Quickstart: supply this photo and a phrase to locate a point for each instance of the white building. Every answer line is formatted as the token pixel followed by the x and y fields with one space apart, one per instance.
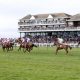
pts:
pixel 43 23
pixel 61 24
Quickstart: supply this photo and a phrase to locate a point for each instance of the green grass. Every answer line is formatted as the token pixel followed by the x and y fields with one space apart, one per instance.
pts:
pixel 40 64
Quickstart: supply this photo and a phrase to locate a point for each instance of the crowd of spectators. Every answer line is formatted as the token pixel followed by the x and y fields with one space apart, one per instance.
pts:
pixel 69 37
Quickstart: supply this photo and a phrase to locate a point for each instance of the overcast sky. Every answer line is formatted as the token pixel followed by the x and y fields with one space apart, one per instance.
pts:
pixel 13 10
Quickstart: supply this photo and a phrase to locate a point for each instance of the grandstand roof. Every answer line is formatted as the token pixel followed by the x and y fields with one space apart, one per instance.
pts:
pixel 64 15
pixel 43 16
pixel 75 18
pixel 26 17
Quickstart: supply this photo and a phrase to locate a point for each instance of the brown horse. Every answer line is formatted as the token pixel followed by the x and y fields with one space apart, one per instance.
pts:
pixel 62 46
pixel 30 46
pixel 22 45
pixel 7 46
pixel 19 41
pixel 26 46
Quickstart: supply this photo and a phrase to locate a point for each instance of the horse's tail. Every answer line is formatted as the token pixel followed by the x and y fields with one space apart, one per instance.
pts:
pixel 34 45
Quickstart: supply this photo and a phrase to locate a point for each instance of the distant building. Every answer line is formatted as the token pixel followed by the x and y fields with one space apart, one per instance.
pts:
pixel 50 24
pixel 74 21
pixel 43 23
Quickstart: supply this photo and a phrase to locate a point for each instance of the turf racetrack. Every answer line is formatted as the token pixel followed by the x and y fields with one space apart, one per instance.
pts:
pixel 40 64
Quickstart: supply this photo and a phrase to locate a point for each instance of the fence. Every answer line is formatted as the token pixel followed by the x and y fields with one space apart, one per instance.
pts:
pixel 52 44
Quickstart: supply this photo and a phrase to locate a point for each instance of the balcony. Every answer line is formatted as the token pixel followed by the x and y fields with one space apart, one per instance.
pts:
pixel 39 29
pixel 39 23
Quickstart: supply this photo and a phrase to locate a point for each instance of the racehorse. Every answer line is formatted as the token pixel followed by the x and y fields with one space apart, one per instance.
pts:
pixel 62 46
pixel 22 45
pixel 7 46
pixel 26 46
pixel 30 46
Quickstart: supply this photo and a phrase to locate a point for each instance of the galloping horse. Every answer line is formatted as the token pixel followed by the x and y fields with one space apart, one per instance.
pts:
pixel 62 46
pixel 7 46
pixel 30 46
pixel 21 45
pixel 26 46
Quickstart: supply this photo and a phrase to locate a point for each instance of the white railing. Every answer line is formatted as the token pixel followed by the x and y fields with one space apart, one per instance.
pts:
pixel 40 23
pixel 50 29
pixel 74 45
pixel 44 44
pixel 72 28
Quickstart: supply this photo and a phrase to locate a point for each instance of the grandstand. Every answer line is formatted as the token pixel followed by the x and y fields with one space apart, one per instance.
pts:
pixel 42 27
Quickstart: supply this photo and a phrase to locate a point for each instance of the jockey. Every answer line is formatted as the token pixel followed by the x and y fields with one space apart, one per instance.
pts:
pixel 27 39
pixel 8 40
pixel 4 40
pixel 22 39
pixel 59 41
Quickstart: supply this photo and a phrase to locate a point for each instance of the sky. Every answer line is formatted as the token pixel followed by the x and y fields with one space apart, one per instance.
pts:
pixel 11 11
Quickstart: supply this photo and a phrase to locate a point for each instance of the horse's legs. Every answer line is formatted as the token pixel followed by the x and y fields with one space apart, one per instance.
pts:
pixel 3 48
pixel 19 48
pixel 56 50
pixel 31 48
pixel 11 48
pixel 7 48
pixel 28 49
pixel 24 49
pixel 66 51
pixel 70 47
